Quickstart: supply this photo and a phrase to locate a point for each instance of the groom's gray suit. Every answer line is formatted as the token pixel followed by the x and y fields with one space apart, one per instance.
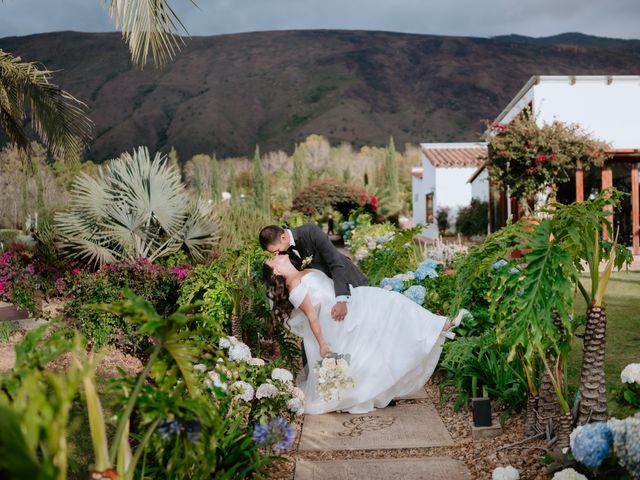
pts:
pixel 311 241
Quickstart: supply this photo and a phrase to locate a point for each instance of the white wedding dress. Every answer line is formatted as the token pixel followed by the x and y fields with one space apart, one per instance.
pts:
pixel 394 344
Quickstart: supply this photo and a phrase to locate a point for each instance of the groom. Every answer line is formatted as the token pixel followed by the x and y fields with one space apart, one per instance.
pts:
pixel 309 247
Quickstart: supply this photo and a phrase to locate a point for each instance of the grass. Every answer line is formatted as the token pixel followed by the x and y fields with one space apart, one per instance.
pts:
pixel 622 301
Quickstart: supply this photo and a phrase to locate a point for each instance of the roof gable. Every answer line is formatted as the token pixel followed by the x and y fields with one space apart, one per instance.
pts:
pixel 455 155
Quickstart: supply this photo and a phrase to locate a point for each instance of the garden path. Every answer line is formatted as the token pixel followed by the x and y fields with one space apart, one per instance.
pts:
pixel 335 445
pixel 17 321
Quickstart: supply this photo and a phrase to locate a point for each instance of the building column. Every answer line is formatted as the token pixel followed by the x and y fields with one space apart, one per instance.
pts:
pixel 579 185
pixel 607 181
pixel 635 209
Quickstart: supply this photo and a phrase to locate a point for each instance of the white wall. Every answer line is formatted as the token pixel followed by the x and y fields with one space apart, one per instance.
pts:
pixel 610 112
pixel 419 189
pixel 480 186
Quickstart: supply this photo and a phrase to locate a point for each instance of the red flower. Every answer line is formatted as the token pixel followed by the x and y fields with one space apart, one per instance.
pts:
pixel 541 158
pixel 552 157
pixel 362 198
pixel 499 126
pixel 531 170
pixel 374 202
pixel 76 271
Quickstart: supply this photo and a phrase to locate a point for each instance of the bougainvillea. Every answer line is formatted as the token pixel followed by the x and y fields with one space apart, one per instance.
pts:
pixel 526 158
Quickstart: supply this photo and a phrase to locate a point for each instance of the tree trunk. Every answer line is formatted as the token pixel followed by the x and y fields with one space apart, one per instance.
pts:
pixel 565 425
pixel 548 405
pixel 531 424
pixel 236 328
pixel 593 392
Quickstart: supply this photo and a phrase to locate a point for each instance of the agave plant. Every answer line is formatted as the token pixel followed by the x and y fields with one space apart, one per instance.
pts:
pixel 134 208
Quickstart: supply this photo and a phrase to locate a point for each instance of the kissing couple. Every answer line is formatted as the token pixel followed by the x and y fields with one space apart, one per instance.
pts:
pixel 320 295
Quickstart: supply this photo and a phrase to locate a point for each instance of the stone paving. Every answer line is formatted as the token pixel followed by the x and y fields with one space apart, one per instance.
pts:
pixel 399 427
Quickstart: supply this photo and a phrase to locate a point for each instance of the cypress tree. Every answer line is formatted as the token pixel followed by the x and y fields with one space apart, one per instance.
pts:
pixel 300 173
pixel 391 171
pixel 216 194
pixel 260 188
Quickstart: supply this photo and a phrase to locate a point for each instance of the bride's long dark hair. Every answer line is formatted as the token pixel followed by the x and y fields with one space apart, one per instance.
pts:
pixel 278 293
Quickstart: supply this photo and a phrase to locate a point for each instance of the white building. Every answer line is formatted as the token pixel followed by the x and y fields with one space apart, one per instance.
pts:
pixel 607 107
pixel 442 181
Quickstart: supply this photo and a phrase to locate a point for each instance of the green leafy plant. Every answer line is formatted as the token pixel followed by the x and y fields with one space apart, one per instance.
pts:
pixel 474 219
pixel 135 208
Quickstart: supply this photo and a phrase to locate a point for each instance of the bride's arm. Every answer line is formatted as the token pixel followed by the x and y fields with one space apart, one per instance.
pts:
pixel 307 308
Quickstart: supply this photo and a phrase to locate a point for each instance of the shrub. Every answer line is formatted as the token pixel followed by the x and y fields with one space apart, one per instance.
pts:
pixel 474 219
pixel 331 194
pixel 442 219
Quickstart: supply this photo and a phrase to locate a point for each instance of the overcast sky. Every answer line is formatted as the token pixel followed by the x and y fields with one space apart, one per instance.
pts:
pixel 484 18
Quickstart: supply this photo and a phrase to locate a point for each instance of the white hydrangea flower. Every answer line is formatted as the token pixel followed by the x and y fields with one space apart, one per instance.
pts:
pixel 246 390
pixel 282 374
pixel 214 379
pixel 631 373
pixel 295 405
pixel 297 392
pixel 266 390
pixel 224 343
pixel 256 362
pixel 239 352
pixel 200 367
pixel 505 473
pixel 568 474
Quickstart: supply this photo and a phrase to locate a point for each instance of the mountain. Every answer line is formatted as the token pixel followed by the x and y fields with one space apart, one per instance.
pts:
pixel 227 93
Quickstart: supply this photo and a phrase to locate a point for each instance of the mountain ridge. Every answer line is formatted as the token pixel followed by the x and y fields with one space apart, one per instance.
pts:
pixel 225 94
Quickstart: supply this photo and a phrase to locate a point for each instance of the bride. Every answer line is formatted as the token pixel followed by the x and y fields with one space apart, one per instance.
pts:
pixel 394 343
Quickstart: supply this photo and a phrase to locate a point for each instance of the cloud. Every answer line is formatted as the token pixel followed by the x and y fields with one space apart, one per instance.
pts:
pixel 615 18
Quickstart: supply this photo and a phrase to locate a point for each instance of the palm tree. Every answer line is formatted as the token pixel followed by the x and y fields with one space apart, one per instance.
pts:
pixel 57 117
pixel 135 208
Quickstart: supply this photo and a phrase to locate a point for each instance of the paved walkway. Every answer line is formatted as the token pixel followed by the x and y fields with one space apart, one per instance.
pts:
pixel 403 426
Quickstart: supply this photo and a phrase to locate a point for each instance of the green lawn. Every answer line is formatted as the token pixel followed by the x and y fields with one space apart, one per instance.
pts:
pixel 622 301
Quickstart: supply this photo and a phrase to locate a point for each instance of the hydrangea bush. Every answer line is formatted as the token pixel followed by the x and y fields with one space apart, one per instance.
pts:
pixel 630 378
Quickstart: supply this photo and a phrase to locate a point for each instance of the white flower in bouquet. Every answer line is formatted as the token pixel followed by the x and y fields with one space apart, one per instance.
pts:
pixel 631 373
pixel 256 362
pixel 333 376
pixel 295 405
pixel 214 380
pixel 505 473
pixel 568 474
pixel 266 390
pixel 282 374
pixel 239 352
pixel 246 390
pixel 200 367
pixel 329 363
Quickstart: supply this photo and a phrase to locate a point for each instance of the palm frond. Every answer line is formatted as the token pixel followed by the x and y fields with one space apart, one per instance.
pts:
pixel 56 116
pixel 148 25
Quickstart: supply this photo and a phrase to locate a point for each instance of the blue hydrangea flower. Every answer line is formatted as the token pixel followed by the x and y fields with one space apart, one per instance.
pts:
pixel 592 444
pixel 397 284
pixel 416 293
pixel 626 443
pixel 425 271
pixel 429 264
pixel 499 264
pixel 385 282
pixel 276 432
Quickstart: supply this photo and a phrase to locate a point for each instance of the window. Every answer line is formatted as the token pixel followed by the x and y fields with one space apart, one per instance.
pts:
pixel 429 213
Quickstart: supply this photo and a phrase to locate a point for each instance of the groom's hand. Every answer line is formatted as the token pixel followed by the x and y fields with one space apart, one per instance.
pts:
pixel 339 311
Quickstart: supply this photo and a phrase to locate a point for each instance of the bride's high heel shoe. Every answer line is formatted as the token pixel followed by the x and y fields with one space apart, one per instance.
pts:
pixel 456 323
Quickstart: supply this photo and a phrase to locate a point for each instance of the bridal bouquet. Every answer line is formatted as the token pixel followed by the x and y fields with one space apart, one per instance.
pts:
pixel 333 376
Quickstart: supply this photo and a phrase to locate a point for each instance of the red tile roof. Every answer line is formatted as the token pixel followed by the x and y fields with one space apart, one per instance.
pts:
pixel 455 156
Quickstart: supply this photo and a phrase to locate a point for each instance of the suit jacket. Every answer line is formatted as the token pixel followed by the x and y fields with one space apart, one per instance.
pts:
pixel 310 240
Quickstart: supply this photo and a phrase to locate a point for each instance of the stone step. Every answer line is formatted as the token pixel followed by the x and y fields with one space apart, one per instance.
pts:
pixel 431 468
pixel 402 426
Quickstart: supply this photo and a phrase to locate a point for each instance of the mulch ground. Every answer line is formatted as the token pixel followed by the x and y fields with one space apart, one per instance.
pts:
pixel 480 456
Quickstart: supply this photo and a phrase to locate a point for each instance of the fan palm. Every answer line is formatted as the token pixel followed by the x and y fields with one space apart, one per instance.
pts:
pixel 135 208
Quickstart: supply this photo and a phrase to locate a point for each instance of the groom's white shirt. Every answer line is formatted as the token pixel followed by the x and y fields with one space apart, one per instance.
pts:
pixel 292 244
